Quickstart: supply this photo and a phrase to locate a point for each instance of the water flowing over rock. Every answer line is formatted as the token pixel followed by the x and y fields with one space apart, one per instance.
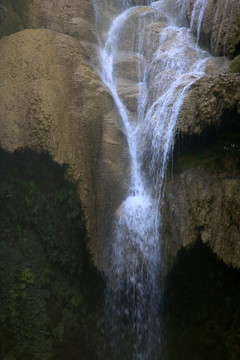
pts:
pixel 218 27
pixel 114 90
pixel 206 102
pixel 144 45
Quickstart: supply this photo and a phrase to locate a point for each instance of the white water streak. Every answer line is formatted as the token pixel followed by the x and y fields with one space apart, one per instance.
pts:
pixel 197 16
pixel 173 62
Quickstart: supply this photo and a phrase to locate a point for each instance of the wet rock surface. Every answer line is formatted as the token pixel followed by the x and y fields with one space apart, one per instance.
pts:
pixel 220 29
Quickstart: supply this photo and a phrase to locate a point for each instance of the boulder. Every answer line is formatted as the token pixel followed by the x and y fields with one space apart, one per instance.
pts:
pixel 74 18
pixel 207 101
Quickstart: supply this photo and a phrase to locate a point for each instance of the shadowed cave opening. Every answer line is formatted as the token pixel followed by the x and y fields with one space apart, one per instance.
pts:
pixel 50 292
pixel 216 149
pixel 201 307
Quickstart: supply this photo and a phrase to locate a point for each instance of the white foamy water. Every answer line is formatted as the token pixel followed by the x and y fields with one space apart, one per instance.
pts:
pixel 172 62
pixel 197 16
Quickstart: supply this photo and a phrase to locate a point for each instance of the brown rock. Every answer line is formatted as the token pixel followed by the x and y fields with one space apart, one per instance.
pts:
pixel 128 65
pixel 73 17
pixel 199 204
pixel 53 101
pixel 128 91
pixel 217 65
pixel 206 102
pixel 220 30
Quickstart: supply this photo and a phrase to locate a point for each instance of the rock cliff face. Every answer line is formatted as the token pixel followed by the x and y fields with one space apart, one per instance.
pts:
pixel 202 194
pixel 201 204
pixel 220 30
pixel 75 18
pixel 202 197
pixel 53 101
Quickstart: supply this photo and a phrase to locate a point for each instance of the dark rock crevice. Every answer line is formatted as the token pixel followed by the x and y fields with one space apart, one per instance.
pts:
pixel 50 291
pixel 201 307
pixel 216 148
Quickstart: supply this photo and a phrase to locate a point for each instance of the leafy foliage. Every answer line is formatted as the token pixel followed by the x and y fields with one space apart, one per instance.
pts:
pixel 48 289
pixel 235 65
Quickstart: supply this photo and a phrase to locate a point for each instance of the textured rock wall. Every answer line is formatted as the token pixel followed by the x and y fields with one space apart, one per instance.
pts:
pixel 202 198
pixel 206 102
pixel 220 31
pixel 203 205
pixel 52 100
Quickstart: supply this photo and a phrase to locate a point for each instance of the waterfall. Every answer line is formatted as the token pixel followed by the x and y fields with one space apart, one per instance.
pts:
pixel 197 16
pixel 169 62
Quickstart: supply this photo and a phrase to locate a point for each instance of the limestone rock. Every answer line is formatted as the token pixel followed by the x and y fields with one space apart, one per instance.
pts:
pixel 220 30
pixel 128 91
pixel 206 103
pixel 72 17
pixel 202 201
pixel 138 18
pixel 217 65
pixel 128 65
pixel 52 100
pixel 200 204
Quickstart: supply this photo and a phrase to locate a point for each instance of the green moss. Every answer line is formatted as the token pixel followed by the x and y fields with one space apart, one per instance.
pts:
pixel 235 65
pixel 49 290
pixel 14 16
pixel 202 307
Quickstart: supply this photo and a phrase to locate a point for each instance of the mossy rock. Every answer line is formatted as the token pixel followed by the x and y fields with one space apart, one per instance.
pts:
pixel 14 16
pixel 235 65
pixel 50 292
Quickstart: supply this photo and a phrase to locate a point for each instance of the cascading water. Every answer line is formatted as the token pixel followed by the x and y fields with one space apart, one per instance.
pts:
pixel 170 62
pixel 197 16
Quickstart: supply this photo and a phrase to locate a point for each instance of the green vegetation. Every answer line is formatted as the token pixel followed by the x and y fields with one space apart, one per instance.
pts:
pixel 235 65
pixel 221 155
pixel 14 16
pixel 49 291
pixel 201 309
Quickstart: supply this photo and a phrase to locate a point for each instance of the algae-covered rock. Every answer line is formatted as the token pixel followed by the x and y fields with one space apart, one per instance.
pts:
pixel 14 16
pixel 235 65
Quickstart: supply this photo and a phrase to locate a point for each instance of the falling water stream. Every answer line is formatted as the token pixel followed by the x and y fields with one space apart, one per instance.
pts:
pixel 170 61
